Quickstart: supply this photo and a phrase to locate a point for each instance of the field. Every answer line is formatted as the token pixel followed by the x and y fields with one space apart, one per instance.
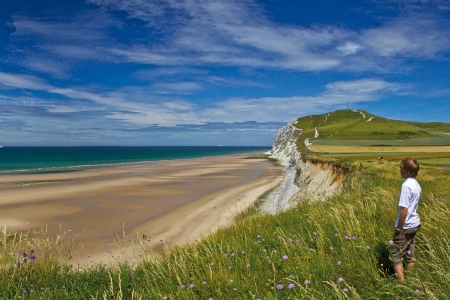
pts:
pixel 336 249
pixel 379 149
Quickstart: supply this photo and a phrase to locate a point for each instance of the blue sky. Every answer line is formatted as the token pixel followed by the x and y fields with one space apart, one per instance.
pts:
pixel 196 72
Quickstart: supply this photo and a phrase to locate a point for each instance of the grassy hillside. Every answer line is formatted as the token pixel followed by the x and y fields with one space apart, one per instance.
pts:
pixel 360 128
pixel 336 249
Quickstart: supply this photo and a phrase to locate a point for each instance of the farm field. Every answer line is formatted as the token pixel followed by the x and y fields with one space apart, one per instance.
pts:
pixel 443 140
pixel 378 149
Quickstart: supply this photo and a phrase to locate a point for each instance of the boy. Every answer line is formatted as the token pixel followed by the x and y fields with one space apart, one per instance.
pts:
pixel 408 221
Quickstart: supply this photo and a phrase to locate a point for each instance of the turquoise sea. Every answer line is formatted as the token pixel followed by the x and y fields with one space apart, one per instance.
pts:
pixel 25 160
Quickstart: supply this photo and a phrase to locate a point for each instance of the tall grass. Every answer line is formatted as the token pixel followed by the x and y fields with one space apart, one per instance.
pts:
pixel 337 249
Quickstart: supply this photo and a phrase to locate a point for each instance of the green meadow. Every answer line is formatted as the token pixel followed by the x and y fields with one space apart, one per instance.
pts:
pixel 361 128
pixel 336 249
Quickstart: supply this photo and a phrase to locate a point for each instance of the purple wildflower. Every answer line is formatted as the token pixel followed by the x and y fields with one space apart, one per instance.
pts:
pixel 417 292
pixel 232 254
pixel 290 240
pixel 225 255
pixel 409 252
pixel 346 237
pixel 204 282
pixel 182 286
pixel 297 241
pixel 354 238
pixel 231 280
pixel 339 263
pixel 391 242
pixel 291 286
pixel 345 290
pixel 307 282
pixel 367 247
pixel 336 234
pixel 285 257
pixel 191 286
pixel 340 279
pixel 279 286
pixel 315 233
pixel 24 291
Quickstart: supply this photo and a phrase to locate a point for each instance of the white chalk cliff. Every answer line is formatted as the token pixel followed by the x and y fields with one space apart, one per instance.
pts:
pixel 304 180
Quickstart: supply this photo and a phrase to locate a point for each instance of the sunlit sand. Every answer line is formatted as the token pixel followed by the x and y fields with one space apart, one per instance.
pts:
pixel 170 201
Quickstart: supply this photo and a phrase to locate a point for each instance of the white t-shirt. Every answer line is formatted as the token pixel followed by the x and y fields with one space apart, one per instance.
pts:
pixel 409 198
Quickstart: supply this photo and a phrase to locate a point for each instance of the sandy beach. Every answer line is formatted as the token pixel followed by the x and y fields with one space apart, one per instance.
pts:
pixel 170 202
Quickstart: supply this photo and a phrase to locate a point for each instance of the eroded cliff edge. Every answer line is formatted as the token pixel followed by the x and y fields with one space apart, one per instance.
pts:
pixel 305 179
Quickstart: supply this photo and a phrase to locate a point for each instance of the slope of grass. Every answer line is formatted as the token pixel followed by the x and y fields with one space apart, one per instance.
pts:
pixel 298 254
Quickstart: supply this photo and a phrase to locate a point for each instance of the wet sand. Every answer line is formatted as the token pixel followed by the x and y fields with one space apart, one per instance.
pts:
pixel 170 201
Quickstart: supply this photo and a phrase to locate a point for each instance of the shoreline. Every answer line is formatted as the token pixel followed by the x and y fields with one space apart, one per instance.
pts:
pixel 70 169
pixel 175 201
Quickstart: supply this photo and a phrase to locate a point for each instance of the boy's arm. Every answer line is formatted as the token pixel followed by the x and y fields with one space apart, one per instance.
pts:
pixel 402 218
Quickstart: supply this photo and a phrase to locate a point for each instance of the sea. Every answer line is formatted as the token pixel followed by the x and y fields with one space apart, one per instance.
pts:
pixel 36 160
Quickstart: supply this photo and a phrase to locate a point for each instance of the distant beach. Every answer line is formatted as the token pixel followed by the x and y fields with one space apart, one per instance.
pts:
pixel 174 201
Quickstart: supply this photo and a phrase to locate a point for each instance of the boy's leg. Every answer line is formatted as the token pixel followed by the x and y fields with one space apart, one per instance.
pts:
pixel 397 253
pixel 404 242
pixel 410 254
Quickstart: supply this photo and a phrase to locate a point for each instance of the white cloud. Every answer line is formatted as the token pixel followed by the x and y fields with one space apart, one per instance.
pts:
pixel 276 109
pixel 410 37
pixel 132 104
pixel 349 48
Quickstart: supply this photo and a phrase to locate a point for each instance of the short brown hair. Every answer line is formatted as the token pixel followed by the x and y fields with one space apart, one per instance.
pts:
pixel 410 167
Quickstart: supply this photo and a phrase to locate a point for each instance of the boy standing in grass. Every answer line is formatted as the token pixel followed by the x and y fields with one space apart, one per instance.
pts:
pixel 408 221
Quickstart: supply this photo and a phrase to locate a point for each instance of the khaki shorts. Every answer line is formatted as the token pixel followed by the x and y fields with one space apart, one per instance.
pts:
pixel 404 243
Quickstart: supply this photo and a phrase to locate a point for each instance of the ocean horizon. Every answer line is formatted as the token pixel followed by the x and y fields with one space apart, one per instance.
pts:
pixel 35 160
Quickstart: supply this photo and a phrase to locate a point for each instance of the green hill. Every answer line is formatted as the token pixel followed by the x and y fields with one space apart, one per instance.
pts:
pixel 352 127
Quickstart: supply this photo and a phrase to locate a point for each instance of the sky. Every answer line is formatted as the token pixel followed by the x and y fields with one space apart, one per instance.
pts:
pixel 213 72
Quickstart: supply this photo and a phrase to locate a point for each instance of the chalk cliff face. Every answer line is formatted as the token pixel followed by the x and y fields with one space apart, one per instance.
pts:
pixel 284 146
pixel 314 180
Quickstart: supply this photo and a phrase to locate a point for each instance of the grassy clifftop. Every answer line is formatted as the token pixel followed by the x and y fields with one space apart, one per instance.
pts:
pixel 336 249
pixel 347 127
